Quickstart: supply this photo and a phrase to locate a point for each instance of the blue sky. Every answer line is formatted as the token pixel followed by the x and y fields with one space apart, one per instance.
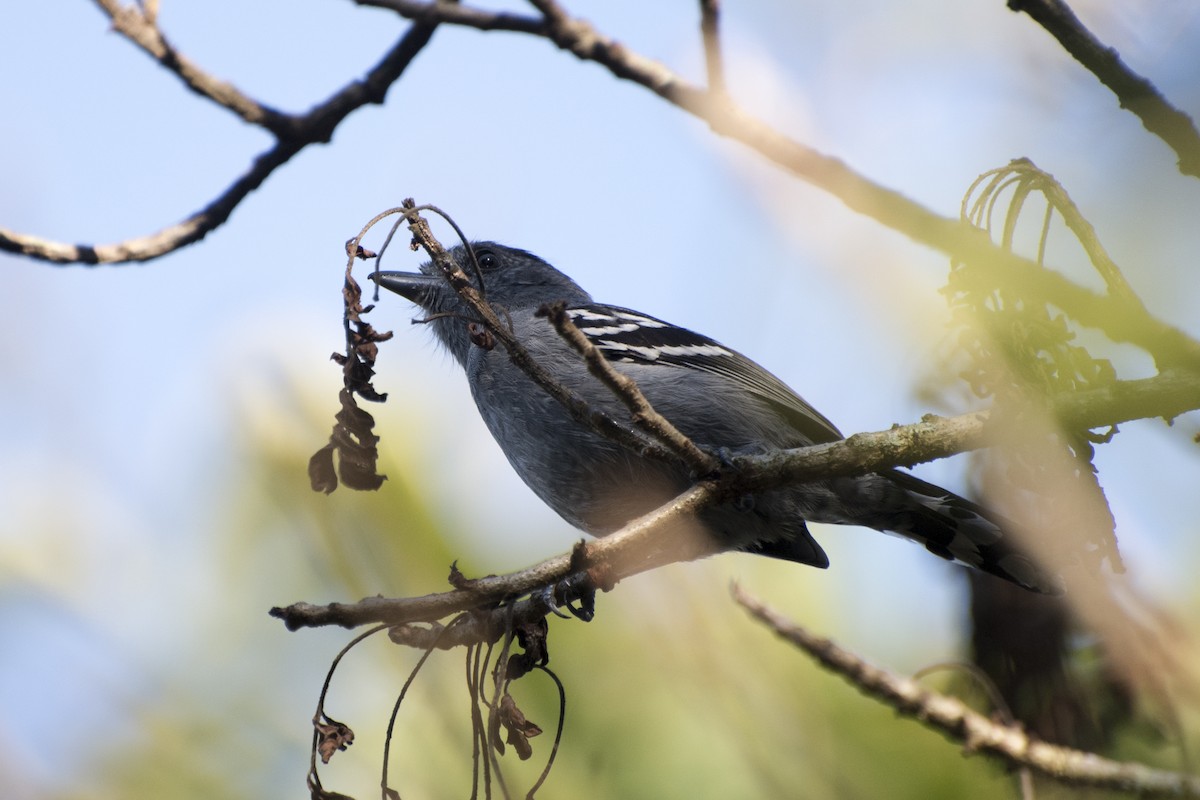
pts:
pixel 120 384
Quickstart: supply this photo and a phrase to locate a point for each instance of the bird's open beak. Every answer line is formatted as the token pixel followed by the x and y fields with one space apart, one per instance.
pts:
pixel 413 285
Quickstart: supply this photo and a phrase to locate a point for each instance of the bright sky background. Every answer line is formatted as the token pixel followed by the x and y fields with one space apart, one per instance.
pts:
pixel 118 385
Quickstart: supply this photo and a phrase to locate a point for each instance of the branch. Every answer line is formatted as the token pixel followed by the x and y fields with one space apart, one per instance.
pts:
pixel 1134 92
pixel 652 541
pixel 1166 395
pixel 293 133
pixel 645 543
pixel 976 732
pixel 165 241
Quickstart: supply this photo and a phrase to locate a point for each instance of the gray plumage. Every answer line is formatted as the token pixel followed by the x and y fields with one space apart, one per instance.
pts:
pixel 719 398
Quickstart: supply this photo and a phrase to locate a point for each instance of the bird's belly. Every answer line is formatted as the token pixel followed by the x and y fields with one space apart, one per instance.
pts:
pixel 591 482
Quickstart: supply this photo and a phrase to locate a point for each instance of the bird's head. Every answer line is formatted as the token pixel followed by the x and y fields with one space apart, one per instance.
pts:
pixel 512 280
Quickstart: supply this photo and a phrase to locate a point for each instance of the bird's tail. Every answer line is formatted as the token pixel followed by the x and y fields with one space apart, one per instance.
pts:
pixel 957 529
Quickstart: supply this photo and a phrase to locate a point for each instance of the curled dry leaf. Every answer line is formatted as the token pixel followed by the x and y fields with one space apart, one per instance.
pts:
pixel 520 730
pixel 332 736
pixel 321 474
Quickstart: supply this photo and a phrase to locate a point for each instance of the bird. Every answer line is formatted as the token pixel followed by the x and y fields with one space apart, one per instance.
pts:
pixel 722 400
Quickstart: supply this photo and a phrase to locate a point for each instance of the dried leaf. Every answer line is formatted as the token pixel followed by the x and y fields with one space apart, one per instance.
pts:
pixel 332 736
pixel 520 730
pixel 321 475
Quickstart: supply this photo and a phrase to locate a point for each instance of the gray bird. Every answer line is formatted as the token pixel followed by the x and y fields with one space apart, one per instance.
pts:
pixel 722 400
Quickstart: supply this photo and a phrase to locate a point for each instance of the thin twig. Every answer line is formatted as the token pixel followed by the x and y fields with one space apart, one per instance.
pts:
pixel 714 62
pixel 1134 92
pixel 977 733
pixel 391 726
pixel 1027 177
pixel 562 718
pixel 1087 237
pixel 626 389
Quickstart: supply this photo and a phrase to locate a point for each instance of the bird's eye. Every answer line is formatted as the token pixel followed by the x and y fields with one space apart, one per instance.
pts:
pixel 487 259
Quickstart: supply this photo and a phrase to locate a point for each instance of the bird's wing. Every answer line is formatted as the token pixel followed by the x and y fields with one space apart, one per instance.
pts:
pixel 630 336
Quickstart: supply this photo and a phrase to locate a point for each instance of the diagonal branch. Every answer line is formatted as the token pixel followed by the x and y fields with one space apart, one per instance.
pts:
pixel 977 733
pixel 638 547
pixel 1134 92
pixel 627 391
pixel 167 240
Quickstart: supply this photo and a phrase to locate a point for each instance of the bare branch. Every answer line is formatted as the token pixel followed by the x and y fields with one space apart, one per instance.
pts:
pixel 167 240
pixel 977 733
pixel 651 540
pixel 294 133
pixel 1134 92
